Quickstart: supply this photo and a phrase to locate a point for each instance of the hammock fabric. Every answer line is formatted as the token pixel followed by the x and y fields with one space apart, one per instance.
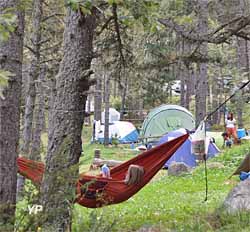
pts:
pixel 97 191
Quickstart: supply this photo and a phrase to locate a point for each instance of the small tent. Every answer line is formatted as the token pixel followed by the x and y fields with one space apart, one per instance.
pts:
pixel 125 132
pixel 114 115
pixel 163 119
pixel 184 153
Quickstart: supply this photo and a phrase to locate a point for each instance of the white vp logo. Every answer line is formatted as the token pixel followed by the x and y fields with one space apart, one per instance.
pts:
pixel 35 209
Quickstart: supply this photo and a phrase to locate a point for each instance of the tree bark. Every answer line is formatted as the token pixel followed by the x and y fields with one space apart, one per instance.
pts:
pixel 65 145
pixel 32 75
pixel 98 99
pixel 123 96
pixel 243 67
pixel 11 52
pixel 201 91
pixel 39 117
pixel 30 95
pixel 106 120
pixel 215 119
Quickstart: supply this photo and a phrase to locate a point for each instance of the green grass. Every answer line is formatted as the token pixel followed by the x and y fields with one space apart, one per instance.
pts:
pixel 168 203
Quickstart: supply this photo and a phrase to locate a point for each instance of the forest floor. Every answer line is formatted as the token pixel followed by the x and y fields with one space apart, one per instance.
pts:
pixel 167 203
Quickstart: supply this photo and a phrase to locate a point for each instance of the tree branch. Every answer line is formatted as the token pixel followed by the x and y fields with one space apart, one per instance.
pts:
pixel 239 23
pixel 105 25
pixel 31 49
pixel 117 29
pixel 52 15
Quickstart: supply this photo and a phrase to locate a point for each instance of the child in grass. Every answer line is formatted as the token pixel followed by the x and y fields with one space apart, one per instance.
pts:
pixel 105 171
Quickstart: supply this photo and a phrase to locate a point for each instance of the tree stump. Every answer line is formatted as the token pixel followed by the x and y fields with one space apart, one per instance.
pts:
pixel 97 154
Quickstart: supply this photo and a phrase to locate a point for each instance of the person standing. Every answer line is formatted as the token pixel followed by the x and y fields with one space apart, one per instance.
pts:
pixel 231 127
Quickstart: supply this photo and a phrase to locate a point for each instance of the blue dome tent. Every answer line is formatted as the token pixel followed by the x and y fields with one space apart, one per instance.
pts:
pixel 184 153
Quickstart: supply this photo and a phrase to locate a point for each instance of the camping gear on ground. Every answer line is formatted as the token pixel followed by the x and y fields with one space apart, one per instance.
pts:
pixel 96 191
pixel 124 132
pixel 244 175
pixel 114 115
pixel 163 119
pixel 184 153
pixel 241 133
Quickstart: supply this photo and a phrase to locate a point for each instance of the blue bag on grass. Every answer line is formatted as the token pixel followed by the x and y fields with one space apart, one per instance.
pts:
pixel 244 175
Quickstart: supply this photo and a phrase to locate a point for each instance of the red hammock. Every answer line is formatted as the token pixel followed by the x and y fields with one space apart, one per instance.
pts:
pixel 96 191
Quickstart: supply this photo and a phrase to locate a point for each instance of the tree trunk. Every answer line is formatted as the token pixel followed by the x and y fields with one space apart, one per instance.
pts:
pixel 243 67
pixel 88 107
pixel 11 52
pixel 98 99
pixel 39 117
pixel 51 99
pixel 188 77
pixel 65 145
pixel 30 95
pixel 201 91
pixel 183 81
pixel 124 95
pixel 106 120
pixel 32 75
pixel 215 119
pixel 188 87
pixel 182 76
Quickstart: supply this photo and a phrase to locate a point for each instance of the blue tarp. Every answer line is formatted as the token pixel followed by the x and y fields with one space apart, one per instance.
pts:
pixel 184 152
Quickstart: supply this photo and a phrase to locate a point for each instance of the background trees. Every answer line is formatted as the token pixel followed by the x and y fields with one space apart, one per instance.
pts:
pixel 11 62
pixel 143 53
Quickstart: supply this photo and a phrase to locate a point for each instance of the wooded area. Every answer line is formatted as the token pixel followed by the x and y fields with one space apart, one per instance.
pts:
pixel 64 62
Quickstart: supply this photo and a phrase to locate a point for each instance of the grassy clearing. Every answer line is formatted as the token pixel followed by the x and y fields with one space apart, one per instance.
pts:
pixel 168 203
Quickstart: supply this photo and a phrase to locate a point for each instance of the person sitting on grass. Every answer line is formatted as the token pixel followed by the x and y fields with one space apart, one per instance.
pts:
pixel 105 171
pixel 227 141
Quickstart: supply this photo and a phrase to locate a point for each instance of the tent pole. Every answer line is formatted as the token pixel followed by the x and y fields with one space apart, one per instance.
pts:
pixel 205 163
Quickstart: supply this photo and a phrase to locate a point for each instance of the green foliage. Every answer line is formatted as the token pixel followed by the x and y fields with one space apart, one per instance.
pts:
pixel 96 221
pixel 84 5
pixel 4 77
pixel 116 102
pixel 25 221
pixel 115 140
pixel 7 24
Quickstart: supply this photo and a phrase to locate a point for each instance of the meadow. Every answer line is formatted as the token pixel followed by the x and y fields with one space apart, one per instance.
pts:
pixel 167 203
